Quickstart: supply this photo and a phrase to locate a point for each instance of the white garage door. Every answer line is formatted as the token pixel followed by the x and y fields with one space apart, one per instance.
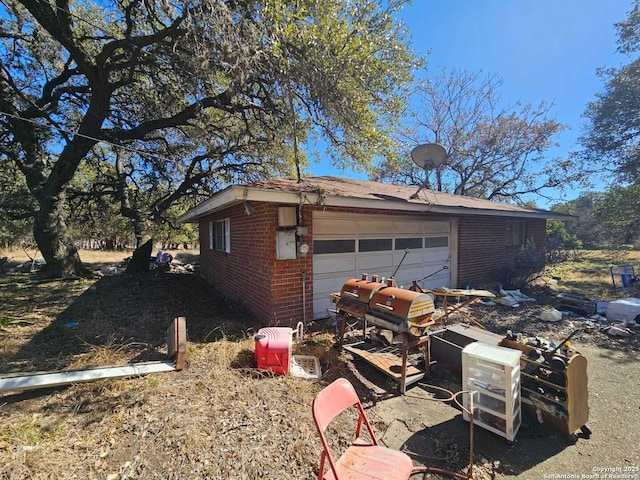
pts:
pixel 346 246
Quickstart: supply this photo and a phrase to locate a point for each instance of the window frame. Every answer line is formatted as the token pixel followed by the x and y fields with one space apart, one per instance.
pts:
pixel 334 246
pixel 222 237
pixel 439 241
pixel 372 245
pixel 411 243
pixel 515 233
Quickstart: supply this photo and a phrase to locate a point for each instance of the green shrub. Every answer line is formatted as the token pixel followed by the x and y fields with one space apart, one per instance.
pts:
pixel 561 245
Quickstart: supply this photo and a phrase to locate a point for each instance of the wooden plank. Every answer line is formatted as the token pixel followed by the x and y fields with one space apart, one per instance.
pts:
pixel 385 360
pixel 177 341
pixel 54 379
pixel 577 393
pixel 459 292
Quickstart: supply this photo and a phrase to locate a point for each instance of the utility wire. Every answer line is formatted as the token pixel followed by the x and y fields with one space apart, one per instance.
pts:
pixel 98 140
pixel 88 137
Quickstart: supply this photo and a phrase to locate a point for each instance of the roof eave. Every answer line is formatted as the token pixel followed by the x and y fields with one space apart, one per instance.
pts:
pixel 413 206
pixel 236 194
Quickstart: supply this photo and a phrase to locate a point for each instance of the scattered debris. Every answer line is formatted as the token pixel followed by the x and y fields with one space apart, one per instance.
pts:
pixel 508 300
pixel 601 307
pixel 598 318
pixel 162 258
pixel 627 276
pixel 163 261
pixel 577 303
pixel 550 315
pixel 31 266
pixel 111 270
pixel 618 331
pixel 517 295
pixel 54 379
pixel 305 366
pixel 188 268
pixel 513 298
pixel 273 352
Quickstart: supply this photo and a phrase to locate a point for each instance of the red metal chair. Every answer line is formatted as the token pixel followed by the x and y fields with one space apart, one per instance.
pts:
pixel 363 459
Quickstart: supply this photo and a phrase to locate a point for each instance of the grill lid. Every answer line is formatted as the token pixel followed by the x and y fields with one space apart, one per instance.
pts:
pixel 402 304
pixel 360 290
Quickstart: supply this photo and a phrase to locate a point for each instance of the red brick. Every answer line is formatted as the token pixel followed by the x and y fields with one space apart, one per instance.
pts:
pixel 251 275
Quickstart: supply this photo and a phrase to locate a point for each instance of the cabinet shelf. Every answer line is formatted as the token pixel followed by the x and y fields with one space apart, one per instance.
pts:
pixel 549 398
pixel 561 398
pixel 494 374
pixel 542 381
pixel 486 388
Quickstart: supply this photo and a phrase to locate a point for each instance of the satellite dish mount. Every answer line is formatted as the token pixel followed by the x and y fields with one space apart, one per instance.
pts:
pixel 428 156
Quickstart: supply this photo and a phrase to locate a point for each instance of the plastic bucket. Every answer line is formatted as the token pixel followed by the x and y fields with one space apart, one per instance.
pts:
pixel 627 280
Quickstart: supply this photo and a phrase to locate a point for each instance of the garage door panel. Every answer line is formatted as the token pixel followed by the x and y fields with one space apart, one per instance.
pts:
pixel 437 227
pixel 333 264
pixel 436 255
pixel 330 227
pixel 413 257
pixel 321 306
pixel 414 268
pixel 331 270
pixel 375 263
pixel 406 277
pixel 437 281
pixel 407 228
pixel 373 227
pixel 325 286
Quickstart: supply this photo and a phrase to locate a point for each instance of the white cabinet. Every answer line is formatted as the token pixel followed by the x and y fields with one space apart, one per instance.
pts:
pixel 494 374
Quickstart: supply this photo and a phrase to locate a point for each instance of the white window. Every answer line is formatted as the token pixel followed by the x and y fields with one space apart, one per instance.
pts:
pixel 514 233
pixel 211 243
pixel 223 236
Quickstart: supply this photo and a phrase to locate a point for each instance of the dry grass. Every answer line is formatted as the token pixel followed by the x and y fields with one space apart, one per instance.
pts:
pixel 218 418
pixel 590 273
pixel 92 258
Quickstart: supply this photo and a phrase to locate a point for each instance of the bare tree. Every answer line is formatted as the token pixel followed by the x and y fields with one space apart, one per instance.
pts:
pixel 494 151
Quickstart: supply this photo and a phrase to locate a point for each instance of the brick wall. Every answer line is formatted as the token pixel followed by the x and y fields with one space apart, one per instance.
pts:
pixel 271 290
pixel 482 251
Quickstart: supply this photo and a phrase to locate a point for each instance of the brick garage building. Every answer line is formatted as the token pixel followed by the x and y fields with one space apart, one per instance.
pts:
pixel 280 247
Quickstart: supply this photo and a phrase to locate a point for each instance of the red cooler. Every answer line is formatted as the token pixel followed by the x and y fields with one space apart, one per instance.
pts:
pixel 273 348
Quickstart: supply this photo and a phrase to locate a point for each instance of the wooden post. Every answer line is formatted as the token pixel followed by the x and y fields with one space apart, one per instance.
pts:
pixel 177 341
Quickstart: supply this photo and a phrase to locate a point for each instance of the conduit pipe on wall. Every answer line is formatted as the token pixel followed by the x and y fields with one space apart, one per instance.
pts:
pixel 304 299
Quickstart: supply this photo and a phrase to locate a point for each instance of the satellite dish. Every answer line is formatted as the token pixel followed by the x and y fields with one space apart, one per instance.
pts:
pixel 429 155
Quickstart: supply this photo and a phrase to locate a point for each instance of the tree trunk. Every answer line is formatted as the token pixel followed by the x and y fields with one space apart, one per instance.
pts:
pixel 141 228
pixel 141 223
pixel 50 233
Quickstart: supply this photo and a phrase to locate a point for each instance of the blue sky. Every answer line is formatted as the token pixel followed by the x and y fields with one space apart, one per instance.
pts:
pixel 543 50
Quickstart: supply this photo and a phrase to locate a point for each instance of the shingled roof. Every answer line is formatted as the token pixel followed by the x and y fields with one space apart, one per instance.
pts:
pixel 347 192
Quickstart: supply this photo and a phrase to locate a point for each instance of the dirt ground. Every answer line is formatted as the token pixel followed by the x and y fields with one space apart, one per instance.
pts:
pixel 221 418
pixel 435 431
